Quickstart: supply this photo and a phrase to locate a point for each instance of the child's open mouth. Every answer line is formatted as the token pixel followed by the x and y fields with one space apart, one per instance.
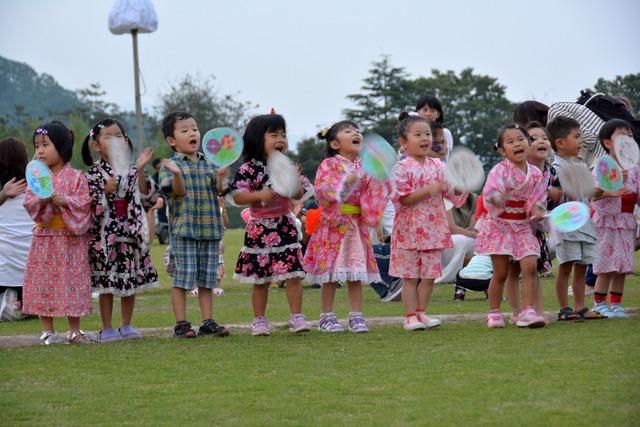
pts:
pixel 356 141
pixel 279 148
pixel 193 142
pixel 518 151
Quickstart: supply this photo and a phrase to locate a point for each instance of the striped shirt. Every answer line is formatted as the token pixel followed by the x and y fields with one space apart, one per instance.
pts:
pixel 590 125
pixel 195 215
pixel 479 268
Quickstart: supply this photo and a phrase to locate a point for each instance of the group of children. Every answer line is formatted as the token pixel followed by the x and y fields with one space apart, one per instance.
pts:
pixel 92 233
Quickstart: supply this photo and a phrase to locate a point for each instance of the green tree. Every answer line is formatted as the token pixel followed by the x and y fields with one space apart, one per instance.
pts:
pixel 310 154
pixel 627 85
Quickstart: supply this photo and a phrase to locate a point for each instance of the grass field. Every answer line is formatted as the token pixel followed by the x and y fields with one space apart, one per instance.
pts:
pixel 462 374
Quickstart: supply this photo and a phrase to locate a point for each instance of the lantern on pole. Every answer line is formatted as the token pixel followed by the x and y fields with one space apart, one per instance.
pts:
pixel 134 16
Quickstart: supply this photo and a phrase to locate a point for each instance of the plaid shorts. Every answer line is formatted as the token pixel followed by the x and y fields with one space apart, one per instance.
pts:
pixel 195 263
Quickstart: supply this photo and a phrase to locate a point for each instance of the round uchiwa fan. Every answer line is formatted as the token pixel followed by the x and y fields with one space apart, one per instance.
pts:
pixel 222 146
pixel 119 155
pixel 576 180
pixel 39 179
pixel 627 151
pixel 569 216
pixel 609 174
pixel 283 174
pixel 377 157
pixel 464 170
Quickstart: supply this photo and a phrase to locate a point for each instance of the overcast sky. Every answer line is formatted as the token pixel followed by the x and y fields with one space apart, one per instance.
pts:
pixel 304 57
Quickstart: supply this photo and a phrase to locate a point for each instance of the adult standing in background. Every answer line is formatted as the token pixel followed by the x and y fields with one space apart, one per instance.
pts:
pixel 430 109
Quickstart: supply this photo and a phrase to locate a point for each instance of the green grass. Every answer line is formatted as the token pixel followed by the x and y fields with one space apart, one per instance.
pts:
pixel 461 374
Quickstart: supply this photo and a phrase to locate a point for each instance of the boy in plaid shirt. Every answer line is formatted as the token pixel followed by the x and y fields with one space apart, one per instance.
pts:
pixel 191 185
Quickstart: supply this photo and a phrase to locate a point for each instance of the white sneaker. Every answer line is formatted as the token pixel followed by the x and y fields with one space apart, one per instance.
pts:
pixel 411 323
pixel 427 321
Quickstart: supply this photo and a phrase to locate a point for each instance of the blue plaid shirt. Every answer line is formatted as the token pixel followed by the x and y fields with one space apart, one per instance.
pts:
pixel 195 215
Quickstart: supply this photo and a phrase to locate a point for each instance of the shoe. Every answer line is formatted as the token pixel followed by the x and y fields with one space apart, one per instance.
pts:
pixel 428 322
pixel 130 333
pixel 183 329
pixel 260 327
pixel 394 293
pixel 529 319
pixel 329 323
pixel 79 337
pixel 411 323
pixel 297 323
pixel 357 324
pixel 315 286
pixel 495 320
pixel 617 312
pixel 603 309
pixel 109 335
pixel 8 305
pixel 458 296
pixel 210 327
pixel 50 337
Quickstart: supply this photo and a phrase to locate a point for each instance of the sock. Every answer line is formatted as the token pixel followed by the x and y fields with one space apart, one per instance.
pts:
pixel 419 311
pixel 615 297
pixel 329 313
pixel 599 298
pixel 355 313
pixel 409 315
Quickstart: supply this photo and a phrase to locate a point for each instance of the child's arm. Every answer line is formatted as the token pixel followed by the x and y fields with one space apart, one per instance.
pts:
pixel 11 189
pixel 222 175
pixel 601 194
pixel 144 158
pixel 177 185
pixel 414 197
pixel 248 197
pixel 74 201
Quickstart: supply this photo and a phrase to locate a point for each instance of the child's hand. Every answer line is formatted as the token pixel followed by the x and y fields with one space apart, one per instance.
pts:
pixel 619 192
pixel 222 174
pixel 144 158
pixel 436 188
pixel 266 194
pixel 171 165
pixel 110 186
pixel 12 188
pixel 625 175
pixel 59 201
pixel 555 194
pixel 537 213
pixel 351 178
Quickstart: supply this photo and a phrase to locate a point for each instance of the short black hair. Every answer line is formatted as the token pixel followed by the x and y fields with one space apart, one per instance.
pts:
pixel 607 130
pixel 537 125
pixel 432 102
pixel 61 137
pixel 504 129
pixel 406 120
pixel 561 127
pixel 169 122
pixel 436 126
pixel 254 135
pixel 93 134
pixel 13 160
pixel 331 134
pixel 530 111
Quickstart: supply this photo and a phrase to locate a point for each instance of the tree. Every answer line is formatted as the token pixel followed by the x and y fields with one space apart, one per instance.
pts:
pixel 310 155
pixel 93 107
pixel 627 85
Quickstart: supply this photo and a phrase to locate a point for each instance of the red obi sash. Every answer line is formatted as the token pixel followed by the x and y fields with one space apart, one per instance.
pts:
pixel 514 210
pixel 628 202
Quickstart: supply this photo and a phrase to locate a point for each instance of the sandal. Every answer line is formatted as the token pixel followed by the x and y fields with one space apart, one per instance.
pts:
pixel 587 314
pixel 79 337
pixel 568 314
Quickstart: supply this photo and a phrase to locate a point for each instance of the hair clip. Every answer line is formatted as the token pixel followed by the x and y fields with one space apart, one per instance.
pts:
pixel 273 111
pixel 91 133
pixel 41 131
pixel 413 114
pixel 324 132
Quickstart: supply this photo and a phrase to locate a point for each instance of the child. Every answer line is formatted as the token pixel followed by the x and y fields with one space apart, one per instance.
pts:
pixel 57 279
pixel 420 228
pixel 119 252
pixel 439 148
pixel 515 194
pixel 15 226
pixel 615 228
pixel 271 251
pixel 340 247
pixel 191 184
pixel 577 249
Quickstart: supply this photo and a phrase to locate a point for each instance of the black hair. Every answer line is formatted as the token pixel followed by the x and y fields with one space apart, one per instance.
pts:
pixel 169 122
pixel 537 125
pixel 504 129
pixel 94 132
pixel 13 160
pixel 560 127
pixel 254 135
pixel 530 111
pixel 432 102
pixel 332 133
pixel 61 137
pixel 156 162
pixel 406 120
pixel 435 125
pixel 607 130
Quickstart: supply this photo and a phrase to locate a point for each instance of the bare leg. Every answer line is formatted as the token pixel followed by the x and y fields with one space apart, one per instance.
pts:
pixel 496 285
pixel 602 283
pixel 528 265
pixel 617 283
pixel 47 323
pixel 127 305
pixel 409 295
pixel 106 309
pixel 179 303
pixel 425 289
pixel 562 283
pixel 294 295
pixel 259 298
pixel 354 290
pixel 579 272
pixel 513 291
pixel 74 324
pixel 327 296
pixel 205 300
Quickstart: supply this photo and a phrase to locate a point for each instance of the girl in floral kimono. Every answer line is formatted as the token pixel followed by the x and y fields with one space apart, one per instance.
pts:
pixel 420 228
pixel 340 248
pixel 271 251
pixel 119 252
pixel 57 279
pixel 515 194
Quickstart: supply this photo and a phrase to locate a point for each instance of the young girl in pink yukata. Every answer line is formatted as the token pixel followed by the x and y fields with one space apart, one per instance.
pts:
pixel 515 194
pixel 340 248
pixel 57 278
pixel 615 228
pixel 420 228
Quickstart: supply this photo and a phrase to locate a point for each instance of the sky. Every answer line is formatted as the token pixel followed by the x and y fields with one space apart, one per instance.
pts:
pixel 304 57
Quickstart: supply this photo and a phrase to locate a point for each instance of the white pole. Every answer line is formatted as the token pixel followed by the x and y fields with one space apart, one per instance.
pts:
pixel 136 77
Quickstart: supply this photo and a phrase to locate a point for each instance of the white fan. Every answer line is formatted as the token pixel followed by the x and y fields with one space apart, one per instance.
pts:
pixel 283 174
pixel 464 170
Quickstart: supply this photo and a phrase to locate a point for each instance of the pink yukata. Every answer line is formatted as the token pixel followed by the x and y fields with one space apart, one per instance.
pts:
pixel 57 280
pixel 421 230
pixel 616 228
pixel 507 227
pixel 340 248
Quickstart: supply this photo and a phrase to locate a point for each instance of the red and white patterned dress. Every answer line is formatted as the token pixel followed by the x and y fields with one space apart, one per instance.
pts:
pixel 57 279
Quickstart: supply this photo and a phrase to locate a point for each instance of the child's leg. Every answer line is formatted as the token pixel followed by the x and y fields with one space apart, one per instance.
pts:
pixel 538 305
pixel 409 295
pixel 106 309
pixel 513 291
pixel 425 289
pixel 354 290
pixel 529 267
pixel 205 300
pixel 602 288
pixel 562 283
pixel 500 270
pixel 74 324
pixel 616 289
pixel 294 295
pixel 179 303
pixel 259 298
pixel 47 323
pixel 327 296
pixel 127 305
pixel 579 272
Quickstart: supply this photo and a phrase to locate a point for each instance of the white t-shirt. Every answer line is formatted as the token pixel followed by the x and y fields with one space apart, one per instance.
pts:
pixel 448 138
pixel 16 232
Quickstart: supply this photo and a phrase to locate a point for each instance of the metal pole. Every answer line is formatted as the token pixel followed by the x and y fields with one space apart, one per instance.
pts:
pixel 136 79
